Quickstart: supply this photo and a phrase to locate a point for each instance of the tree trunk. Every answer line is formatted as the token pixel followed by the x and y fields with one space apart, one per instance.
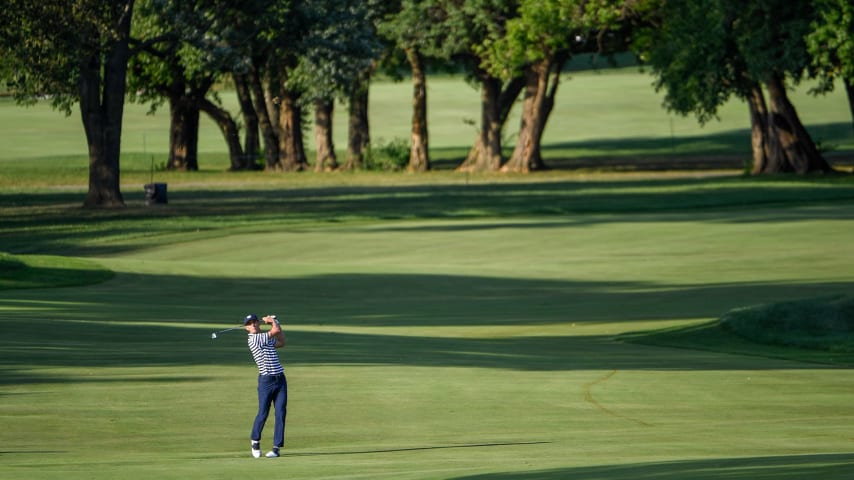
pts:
pixel 266 123
pixel 800 154
pixel 273 89
pixel 358 133
pixel 775 157
pixel 849 89
pixel 496 102
pixel 229 130
pixel 419 156
pixel 291 151
pixel 101 110
pixel 758 128
pixel 183 135
pixel 251 142
pixel 542 80
pixel 325 159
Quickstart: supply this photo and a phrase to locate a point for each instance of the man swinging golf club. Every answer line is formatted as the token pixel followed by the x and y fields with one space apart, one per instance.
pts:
pixel 272 385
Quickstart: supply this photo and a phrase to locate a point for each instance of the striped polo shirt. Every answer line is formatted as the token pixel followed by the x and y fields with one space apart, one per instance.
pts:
pixel 263 348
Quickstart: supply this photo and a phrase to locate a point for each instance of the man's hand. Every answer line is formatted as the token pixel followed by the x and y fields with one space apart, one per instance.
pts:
pixel 276 330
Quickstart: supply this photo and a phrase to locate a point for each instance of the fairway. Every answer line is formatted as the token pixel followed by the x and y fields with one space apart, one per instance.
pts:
pixel 434 348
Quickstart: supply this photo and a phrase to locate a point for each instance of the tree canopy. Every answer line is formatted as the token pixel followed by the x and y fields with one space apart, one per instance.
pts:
pixel 831 46
pixel 75 52
pixel 288 56
pixel 706 51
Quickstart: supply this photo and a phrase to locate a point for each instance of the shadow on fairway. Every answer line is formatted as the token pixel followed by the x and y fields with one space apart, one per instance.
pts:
pixel 409 449
pixel 403 300
pixel 63 228
pixel 839 466
pixel 553 353
pixel 150 320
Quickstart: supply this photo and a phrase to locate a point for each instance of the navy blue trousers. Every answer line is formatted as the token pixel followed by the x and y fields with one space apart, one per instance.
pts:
pixel 272 390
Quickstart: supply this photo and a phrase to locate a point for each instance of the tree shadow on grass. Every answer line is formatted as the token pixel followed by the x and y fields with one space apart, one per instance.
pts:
pixel 727 149
pixel 835 466
pixel 50 277
pixel 160 320
pixel 545 353
pixel 73 231
pixel 723 150
pixel 384 300
pixel 409 449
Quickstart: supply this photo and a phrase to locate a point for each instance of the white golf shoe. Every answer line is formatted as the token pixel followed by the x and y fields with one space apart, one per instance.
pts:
pixel 256 449
pixel 273 453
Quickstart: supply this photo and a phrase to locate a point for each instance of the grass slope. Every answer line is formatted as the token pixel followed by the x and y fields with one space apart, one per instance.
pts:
pixel 816 323
pixel 809 330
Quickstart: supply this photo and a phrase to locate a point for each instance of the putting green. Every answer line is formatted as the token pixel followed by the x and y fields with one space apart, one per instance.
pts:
pixel 444 349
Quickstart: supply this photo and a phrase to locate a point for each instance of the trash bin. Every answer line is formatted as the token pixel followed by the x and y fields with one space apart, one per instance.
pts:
pixel 155 193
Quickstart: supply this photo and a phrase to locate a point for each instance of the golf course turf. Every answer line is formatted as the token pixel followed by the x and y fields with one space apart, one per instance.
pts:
pixel 429 347
pixel 444 326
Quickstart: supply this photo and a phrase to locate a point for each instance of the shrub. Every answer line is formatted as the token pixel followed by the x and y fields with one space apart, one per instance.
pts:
pixel 389 156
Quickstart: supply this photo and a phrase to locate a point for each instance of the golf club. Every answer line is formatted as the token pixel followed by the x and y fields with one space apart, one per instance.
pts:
pixel 213 335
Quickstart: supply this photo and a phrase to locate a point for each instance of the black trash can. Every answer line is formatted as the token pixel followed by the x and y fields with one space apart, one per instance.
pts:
pixel 155 193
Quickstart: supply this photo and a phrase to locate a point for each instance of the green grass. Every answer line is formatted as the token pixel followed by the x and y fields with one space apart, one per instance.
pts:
pixel 41 271
pixel 440 326
pixel 809 330
pixel 436 331
pixel 52 221
pixel 815 323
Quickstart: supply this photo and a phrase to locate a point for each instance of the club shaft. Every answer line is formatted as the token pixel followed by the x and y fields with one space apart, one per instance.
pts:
pixel 230 329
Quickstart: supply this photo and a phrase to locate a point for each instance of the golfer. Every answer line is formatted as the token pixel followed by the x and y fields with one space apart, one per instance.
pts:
pixel 272 385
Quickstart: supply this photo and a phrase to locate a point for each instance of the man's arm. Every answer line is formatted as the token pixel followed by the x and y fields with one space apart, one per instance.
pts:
pixel 275 331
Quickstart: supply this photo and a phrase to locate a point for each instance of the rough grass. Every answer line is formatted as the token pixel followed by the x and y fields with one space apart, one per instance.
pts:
pixel 819 330
pixel 825 323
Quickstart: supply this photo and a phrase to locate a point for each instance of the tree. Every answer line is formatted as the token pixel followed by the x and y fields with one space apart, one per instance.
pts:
pixel 306 54
pixel 273 55
pixel 770 35
pixel 199 44
pixel 339 45
pixel 464 26
pixel 703 52
pixel 77 52
pixel 697 63
pixel 831 45
pixel 412 30
pixel 156 75
pixel 269 23
pixel 536 44
pixel 358 125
